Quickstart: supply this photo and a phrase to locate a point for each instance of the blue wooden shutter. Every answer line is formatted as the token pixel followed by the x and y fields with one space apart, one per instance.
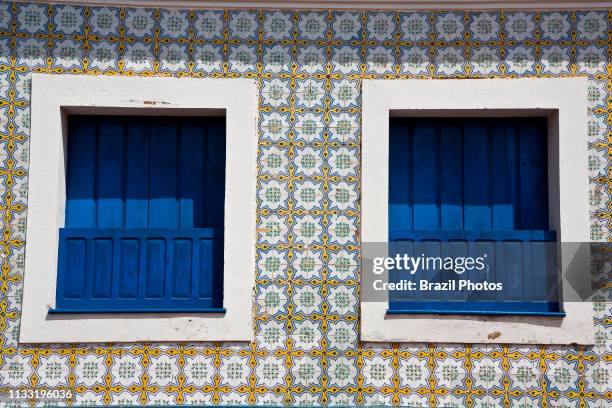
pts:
pixel 474 180
pixel 144 215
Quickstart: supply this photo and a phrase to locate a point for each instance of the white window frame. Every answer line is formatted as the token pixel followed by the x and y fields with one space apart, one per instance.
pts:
pixel 564 102
pixel 53 96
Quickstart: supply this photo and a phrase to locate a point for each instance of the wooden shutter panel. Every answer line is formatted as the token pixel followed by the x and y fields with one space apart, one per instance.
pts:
pixel 468 180
pixel 144 215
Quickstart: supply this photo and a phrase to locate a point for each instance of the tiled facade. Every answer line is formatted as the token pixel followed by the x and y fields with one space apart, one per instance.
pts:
pixel 309 66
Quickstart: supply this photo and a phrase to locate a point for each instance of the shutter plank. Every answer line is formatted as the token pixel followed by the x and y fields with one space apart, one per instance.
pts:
pixel 451 174
pixel 214 173
pixel 425 177
pixel 81 171
pixel 130 268
pixel 477 211
pixel 504 174
pixel 183 254
pixel 156 268
pixel 192 182
pixel 103 267
pixel 533 201
pixel 400 180
pixel 163 208
pixel 137 173
pixel 109 173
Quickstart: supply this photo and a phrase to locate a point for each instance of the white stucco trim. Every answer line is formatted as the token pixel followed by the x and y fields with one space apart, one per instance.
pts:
pixel 564 101
pixel 52 97
pixel 352 4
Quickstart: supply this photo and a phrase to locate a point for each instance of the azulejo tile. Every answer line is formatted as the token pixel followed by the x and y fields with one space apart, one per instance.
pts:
pixel 555 26
pixel 307 300
pixel 342 371
pixel 103 55
pixel 271 335
pixel 346 59
pixel 415 60
pixel 485 61
pixel 555 59
pixel 520 60
pixel 484 26
pixel 450 61
pixel 68 19
pixel 311 59
pixel 272 264
pixel 16 371
pixel 278 25
pixel 306 370
pixel 520 25
pixel 90 370
pixel 270 371
pixel 310 93
pixel 272 194
pixel 312 25
pixel 234 370
pixel 209 24
pixel 243 24
pixel 173 24
pixel 380 60
pixel 381 26
pixel 415 26
pixel 6 16
pixel 67 54
pixel 32 18
pixel 308 195
pixel 208 58
pixel 346 25
pixel 309 127
pixel 30 52
pixel 414 372
pixel 306 335
pixel 592 25
pixel 449 26
pixel 307 264
pixel 277 58
pixel 139 22
pixel 104 21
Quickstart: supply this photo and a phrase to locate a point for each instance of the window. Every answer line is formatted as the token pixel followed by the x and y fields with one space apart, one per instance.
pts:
pixel 141 200
pixel 464 185
pixel 419 112
pixel 144 215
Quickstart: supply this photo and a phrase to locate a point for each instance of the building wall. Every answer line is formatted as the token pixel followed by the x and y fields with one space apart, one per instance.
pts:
pixel 309 72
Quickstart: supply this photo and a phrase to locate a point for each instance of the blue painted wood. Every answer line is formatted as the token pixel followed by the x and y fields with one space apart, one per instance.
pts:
pixel 476 179
pixel 109 173
pixel 533 186
pixel 129 251
pixel 163 202
pixel 503 187
pixel 137 173
pixel 214 172
pixel 400 174
pixel 425 199
pixel 143 195
pixel 519 259
pixel 477 176
pixel 191 174
pixel 451 174
pixel 79 245
pixel 81 171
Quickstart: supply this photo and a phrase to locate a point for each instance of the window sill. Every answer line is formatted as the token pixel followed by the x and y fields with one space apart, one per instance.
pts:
pixel 473 313
pixel 94 312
